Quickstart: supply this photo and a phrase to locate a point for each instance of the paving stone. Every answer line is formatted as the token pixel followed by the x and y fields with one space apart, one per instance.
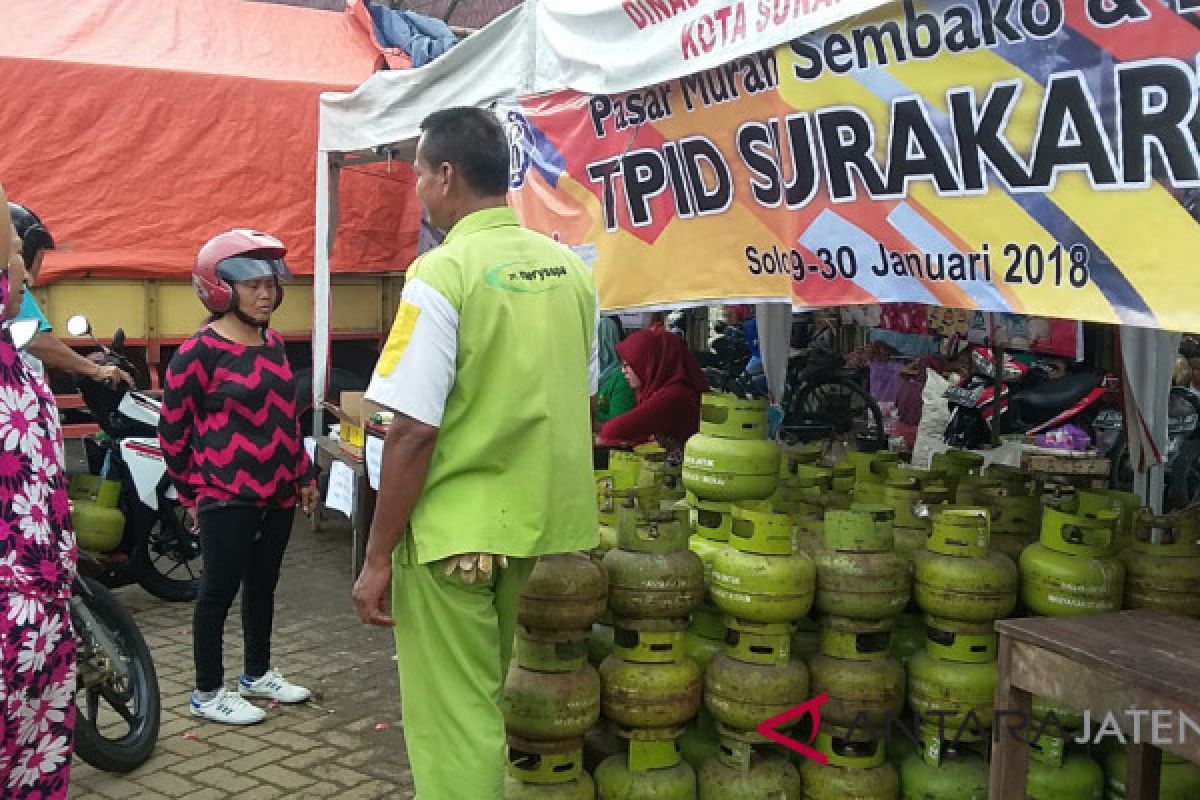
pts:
pixel 297 752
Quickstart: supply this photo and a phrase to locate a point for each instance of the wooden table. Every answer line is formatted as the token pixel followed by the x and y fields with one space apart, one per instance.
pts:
pixel 1104 663
pixel 328 451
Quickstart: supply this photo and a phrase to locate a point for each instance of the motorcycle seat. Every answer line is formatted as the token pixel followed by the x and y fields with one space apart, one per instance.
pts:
pixel 1058 394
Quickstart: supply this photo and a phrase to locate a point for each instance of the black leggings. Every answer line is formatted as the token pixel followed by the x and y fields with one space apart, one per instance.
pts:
pixel 243 546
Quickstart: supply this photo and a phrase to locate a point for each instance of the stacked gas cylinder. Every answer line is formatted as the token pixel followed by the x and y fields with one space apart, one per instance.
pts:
pixel 962 586
pixel 552 694
pixel 650 687
pixel 863 585
pixel 757 587
pixel 1074 569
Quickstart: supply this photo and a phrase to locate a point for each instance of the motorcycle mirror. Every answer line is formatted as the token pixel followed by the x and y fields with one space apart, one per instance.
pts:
pixel 78 325
pixel 22 331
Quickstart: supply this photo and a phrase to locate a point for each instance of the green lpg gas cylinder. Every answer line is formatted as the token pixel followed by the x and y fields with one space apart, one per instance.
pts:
pixel 970 486
pixel 621 475
pixel 99 524
pixel 652 575
pixel 700 741
pixel 758 577
pixel 912 508
pixel 731 417
pixel 908 637
pixel 600 643
pixel 648 682
pixel 806 638
pixel 613 500
pixel 808 532
pixel 1177 779
pixel 1077 778
pixel 756 678
pixel 856 668
pixel 960 775
pixel 955 464
pixel 705 636
pixel 1162 568
pixel 957 577
pixel 804 493
pixel 551 692
pixel 1020 480
pixel 1016 518
pixel 859 575
pixel 1125 504
pixel 856 770
pixel 567 591
pixel 710 523
pixel 581 788
pixel 792 457
pixel 955 675
pixel 727 470
pixel 652 458
pixel 1072 570
pixel 652 770
pixel 602 741
pixel 545 763
pixel 741 772
pixel 871 467
pixel 98 528
pixel 1068 719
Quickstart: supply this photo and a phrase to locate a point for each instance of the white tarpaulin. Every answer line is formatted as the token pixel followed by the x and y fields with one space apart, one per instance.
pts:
pixel 1147 356
pixel 603 46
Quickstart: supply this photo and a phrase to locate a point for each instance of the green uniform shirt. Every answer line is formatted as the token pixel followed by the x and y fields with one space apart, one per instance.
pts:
pixel 494 345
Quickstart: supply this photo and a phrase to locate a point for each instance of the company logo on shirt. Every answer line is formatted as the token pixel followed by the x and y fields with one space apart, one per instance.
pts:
pixel 513 276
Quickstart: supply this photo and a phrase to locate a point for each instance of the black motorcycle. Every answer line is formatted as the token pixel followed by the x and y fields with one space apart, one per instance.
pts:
pixel 159 546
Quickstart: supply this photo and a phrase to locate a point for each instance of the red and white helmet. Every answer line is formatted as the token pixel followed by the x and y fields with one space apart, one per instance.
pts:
pixel 237 255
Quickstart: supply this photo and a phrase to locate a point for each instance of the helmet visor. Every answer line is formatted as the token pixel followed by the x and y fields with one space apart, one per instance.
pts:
pixel 243 268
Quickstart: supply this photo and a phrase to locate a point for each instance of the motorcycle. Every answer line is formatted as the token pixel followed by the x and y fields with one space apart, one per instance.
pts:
pixel 1032 400
pixel 127 513
pixel 118 708
pixel 114 666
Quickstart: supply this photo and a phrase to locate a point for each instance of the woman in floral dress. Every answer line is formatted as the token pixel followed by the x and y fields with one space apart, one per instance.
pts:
pixel 37 563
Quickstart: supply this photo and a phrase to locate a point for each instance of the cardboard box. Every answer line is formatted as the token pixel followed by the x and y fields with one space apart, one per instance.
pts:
pixel 353 410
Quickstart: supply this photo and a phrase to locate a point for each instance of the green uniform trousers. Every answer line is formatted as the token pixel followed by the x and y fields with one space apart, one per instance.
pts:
pixel 453 645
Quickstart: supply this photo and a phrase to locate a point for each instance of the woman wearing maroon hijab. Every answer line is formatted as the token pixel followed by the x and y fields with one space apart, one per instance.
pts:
pixel 668 382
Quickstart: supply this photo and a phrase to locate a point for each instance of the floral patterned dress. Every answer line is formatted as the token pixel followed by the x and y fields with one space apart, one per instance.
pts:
pixel 37 563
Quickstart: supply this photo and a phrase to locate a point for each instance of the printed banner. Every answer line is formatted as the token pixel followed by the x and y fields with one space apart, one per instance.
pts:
pixel 1024 156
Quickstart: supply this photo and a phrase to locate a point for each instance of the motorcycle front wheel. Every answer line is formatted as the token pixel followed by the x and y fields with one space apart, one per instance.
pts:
pixel 167 560
pixel 116 716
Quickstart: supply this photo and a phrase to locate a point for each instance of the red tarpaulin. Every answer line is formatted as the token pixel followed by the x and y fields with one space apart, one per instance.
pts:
pixel 138 129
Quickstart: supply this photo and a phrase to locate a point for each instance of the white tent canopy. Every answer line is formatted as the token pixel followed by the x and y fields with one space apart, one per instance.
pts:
pixel 597 47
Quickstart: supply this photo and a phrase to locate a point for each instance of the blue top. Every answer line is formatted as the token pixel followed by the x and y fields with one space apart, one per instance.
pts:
pixel 31 310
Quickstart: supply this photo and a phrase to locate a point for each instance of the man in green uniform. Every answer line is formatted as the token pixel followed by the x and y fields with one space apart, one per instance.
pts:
pixel 489 367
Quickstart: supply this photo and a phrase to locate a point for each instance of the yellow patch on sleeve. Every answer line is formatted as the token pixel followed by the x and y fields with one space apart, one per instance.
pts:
pixel 397 343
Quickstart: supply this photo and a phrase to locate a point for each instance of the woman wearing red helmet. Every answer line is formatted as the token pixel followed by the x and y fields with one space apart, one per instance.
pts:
pixel 235 452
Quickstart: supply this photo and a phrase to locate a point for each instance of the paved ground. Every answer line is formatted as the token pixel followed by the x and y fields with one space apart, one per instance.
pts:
pixel 347 743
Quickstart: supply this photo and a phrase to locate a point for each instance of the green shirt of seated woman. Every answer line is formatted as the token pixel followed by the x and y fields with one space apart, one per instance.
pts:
pixel 614 395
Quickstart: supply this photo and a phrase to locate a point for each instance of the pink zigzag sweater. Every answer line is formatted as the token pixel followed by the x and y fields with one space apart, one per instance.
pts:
pixel 229 428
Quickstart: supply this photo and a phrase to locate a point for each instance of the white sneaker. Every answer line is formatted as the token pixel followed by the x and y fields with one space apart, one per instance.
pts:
pixel 273 686
pixel 227 708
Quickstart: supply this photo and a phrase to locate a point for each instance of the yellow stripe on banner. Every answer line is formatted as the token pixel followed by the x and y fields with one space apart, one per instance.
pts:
pixel 978 219
pixel 631 272
pixel 1150 236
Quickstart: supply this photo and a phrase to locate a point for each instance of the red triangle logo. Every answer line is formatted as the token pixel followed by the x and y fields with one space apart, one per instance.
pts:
pixel 812 707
